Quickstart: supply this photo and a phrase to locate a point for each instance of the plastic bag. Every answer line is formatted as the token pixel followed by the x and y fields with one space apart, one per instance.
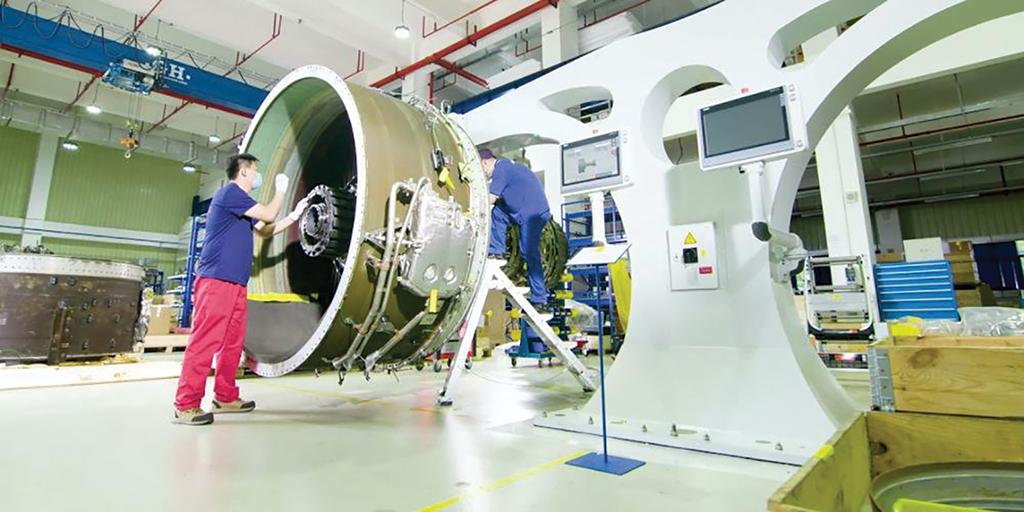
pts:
pixel 584 317
pixel 992 321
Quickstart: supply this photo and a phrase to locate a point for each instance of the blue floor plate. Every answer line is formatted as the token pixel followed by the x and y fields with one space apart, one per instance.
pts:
pixel 614 465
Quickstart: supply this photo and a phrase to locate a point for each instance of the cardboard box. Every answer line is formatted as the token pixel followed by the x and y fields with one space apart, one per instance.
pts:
pixel 968 298
pixel 492 329
pixel 889 257
pixel 162 318
pixel 923 249
pixel 962 247
pixel 963 273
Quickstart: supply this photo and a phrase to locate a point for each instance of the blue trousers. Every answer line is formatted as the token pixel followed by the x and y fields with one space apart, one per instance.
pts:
pixel 530 229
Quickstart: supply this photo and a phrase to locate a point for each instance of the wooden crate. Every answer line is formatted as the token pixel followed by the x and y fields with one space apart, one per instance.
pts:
pixel 838 478
pixel 976 376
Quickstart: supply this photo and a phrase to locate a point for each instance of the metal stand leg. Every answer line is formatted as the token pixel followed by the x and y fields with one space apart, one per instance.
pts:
pixel 547 335
pixel 497 280
pixel 444 397
pixel 602 461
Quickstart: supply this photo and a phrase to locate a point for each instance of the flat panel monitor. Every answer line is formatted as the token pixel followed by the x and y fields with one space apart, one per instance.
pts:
pixel 762 126
pixel 591 164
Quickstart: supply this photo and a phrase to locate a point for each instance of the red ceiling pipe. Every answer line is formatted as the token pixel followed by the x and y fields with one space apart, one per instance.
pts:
pixel 139 22
pixel 463 73
pixel 452 22
pixel 471 39
pixel 614 14
pixel 81 92
pixel 239 60
pixel 229 141
pixel 360 64
pixel 917 135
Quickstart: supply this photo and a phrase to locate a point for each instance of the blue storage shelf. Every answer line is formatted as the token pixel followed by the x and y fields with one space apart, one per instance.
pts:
pixel 920 288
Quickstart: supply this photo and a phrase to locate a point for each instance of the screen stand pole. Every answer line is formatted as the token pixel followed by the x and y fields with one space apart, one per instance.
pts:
pixel 755 187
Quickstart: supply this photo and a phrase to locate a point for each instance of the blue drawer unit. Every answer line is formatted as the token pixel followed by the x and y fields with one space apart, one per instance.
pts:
pixel 919 288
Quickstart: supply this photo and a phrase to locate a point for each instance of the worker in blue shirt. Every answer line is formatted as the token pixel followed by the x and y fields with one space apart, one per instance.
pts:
pixel 517 196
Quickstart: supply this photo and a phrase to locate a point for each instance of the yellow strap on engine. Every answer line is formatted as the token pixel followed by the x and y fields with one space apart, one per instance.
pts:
pixel 516 313
pixel 432 301
pixel 277 297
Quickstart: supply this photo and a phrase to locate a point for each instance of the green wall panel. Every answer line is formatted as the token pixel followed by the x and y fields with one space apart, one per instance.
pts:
pixel 17 161
pixel 811 230
pixel 164 259
pixel 983 216
pixel 8 238
pixel 97 186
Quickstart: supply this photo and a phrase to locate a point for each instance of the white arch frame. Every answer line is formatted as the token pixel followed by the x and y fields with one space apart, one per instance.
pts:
pixel 728 370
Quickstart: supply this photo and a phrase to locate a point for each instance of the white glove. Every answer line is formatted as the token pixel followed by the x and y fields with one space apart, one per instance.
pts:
pixel 299 208
pixel 281 183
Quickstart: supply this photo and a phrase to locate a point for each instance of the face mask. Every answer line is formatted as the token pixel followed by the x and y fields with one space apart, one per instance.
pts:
pixel 257 182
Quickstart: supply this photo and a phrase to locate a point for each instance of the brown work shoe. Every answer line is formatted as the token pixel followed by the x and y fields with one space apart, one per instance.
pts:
pixel 194 416
pixel 233 407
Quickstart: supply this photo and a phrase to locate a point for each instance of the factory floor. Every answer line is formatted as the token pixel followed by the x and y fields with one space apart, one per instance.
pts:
pixel 368 446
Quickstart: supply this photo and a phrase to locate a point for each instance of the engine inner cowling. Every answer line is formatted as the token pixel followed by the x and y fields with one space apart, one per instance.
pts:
pixel 382 267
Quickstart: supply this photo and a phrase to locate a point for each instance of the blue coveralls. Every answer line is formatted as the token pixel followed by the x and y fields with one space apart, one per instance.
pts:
pixel 521 200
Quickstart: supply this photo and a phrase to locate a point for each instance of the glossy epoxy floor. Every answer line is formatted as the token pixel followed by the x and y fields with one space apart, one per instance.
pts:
pixel 368 446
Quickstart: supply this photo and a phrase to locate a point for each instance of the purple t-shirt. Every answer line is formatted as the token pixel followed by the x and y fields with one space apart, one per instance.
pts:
pixel 227 249
pixel 519 189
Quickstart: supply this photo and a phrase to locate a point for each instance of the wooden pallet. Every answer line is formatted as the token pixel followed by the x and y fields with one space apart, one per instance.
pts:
pixel 165 342
pixel 974 376
pixel 838 477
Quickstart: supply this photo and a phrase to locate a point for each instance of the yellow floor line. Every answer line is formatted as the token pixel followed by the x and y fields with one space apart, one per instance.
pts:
pixel 498 484
pixel 342 396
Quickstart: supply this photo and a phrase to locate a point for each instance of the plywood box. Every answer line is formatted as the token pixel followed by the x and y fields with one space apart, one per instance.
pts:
pixel 162 318
pixel 838 477
pixel 889 257
pixel 961 247
pixel 975 376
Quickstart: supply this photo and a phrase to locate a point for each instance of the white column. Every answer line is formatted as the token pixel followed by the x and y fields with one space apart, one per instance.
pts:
pixel 42 176
pixel 560 38
pixel 417 83
pixel 843 193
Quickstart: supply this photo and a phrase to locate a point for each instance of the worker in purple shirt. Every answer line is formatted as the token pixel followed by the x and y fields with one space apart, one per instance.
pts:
pixel 517 196
pixel 221 307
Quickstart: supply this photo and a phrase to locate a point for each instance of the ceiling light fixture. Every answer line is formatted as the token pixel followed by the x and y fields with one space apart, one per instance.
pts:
pixel 154 51
pixel 402 30
pixel 214 139
pixel 93 109
pixel 189 168
pixel 69 145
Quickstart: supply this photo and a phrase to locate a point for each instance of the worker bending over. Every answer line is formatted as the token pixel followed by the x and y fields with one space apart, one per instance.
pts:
pixel 517 196
pixel 218 325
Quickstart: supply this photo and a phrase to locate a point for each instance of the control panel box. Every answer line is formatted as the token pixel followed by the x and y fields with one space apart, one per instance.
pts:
pixel 693 257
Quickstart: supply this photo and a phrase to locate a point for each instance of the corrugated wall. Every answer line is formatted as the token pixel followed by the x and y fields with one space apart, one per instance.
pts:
pixel 983 216
pixel 164 259
pixel 97 186
pixel 17 160
pixel 811 230
pixel 979 217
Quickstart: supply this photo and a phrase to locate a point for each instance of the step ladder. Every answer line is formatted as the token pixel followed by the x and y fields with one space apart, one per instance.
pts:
pixel 495 279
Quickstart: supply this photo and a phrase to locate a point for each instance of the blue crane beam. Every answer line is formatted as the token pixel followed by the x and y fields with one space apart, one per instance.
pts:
pixel 59 43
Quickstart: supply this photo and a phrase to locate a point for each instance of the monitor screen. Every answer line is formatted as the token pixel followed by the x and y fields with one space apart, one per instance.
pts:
pixel 749 122
pixel 590 160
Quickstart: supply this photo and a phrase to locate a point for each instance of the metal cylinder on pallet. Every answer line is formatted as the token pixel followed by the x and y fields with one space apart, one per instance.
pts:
pixel 55 308
pixel 403 200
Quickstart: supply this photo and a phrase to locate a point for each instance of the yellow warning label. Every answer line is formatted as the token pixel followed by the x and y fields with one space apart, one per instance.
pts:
pixel 690 239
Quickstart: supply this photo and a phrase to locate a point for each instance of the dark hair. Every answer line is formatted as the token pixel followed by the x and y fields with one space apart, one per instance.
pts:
pixel 235 163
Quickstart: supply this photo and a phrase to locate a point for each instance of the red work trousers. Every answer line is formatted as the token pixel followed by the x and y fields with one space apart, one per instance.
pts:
pixel 218 328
